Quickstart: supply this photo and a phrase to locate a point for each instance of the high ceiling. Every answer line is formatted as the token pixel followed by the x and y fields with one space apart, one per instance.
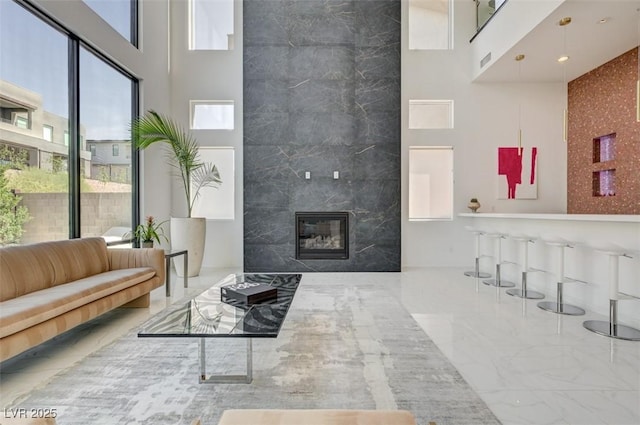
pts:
pixel 589 42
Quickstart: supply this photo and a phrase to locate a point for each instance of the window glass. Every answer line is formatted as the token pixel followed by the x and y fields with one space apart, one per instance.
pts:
pixel 105 116
pixel 117 13
pixel 430 114
pixel 22 122
pixel 211 24
pixel 212 114
pixel 33 88
pixel 430 183
pixel 430 24
pixel 47 133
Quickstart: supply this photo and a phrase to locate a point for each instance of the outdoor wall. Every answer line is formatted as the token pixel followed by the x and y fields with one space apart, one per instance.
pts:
pixel 321 94
pixel 49 214
pixel 602 102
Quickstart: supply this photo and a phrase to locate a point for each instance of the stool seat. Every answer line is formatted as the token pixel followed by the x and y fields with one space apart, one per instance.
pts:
pixel 611 328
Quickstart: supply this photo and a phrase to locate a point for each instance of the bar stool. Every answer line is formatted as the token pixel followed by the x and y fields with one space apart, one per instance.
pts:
pixel 559 306
pixel 498 281
pixel 611 328
pixel 523 292
pixel 476 272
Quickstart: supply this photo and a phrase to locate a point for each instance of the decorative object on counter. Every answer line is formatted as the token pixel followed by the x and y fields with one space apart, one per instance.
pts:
pixel 473 205
pixel 149 232
pixel 517 170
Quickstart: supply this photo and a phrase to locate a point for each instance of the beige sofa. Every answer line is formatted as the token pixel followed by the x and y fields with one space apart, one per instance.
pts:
pixel 50 287
pixel 316 417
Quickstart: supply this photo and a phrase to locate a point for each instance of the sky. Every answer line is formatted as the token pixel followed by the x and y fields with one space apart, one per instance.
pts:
pixel 33 55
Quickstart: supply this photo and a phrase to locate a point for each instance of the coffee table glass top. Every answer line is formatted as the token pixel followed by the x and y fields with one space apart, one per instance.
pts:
pixel 206 316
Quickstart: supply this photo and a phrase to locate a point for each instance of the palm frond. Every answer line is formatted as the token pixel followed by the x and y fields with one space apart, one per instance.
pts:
pixel 182 152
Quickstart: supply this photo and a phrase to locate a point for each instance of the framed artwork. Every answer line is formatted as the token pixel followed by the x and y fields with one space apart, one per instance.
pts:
pixel 517 173
pixel 217 203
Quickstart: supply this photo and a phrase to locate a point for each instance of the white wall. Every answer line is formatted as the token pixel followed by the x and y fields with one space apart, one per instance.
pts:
pixel 516 19
pixel 486 117
pixel 210 75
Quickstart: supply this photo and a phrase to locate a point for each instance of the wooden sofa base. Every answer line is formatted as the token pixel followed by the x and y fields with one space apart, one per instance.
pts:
pixel 14 344
pixel 141 302
pixel 316 417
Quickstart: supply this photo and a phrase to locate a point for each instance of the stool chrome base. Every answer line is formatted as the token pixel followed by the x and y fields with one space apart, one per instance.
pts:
pixel 611 328
pixel 524 293
pixel 499 283
pixel 605 328
pixel 481 275
pixel 477 273
pixel 527 293
pixel 561 308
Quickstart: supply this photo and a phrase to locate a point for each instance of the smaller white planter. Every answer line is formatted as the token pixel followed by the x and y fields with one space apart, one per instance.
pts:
pixel 189 234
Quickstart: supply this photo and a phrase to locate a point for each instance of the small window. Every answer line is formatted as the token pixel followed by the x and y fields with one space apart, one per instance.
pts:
pixel 212 114
pixel 22 122
pixel 92 148
pixel 211 24
pixel 47 133
pixel 115 150
pixel 430 25
pixel 430 114
pixel 430 183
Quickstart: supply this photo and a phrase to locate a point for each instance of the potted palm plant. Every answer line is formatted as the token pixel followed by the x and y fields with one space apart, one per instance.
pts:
pixel 182 154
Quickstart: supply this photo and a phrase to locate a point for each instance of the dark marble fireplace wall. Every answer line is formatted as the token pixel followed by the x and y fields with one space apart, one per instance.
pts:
pixel 321 94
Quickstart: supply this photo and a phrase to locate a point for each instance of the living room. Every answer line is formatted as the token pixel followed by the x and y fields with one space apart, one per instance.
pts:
pixel 325 149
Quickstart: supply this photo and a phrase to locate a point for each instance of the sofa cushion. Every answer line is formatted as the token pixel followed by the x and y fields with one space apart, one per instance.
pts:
pixel 316 417
pixel 29 268
pixel 36 307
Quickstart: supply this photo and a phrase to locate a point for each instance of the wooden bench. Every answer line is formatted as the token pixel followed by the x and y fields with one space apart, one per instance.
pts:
pixel 316 417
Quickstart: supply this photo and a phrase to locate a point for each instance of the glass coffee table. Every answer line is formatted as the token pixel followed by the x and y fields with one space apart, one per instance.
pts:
pixel 206 316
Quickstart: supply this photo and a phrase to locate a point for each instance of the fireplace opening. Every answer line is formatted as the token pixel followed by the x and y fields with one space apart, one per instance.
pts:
pixel 322 235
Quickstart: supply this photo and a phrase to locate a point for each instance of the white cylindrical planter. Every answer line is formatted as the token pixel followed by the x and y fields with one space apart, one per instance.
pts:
pixel 189 234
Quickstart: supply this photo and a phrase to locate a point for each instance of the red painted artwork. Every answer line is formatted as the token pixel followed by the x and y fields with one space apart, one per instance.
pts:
pixel 510 165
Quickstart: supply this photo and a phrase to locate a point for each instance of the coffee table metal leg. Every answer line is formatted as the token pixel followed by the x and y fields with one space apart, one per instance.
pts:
pixel 167 278
pixel 186 269
pixel 225 379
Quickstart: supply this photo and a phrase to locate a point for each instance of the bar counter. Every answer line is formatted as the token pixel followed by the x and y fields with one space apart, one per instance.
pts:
pixel 588 234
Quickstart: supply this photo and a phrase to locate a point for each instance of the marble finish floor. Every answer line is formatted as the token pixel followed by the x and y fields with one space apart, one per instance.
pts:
pixel 528 365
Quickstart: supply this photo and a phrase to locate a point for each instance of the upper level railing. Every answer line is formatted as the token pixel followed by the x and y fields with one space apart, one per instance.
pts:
pixel 485 10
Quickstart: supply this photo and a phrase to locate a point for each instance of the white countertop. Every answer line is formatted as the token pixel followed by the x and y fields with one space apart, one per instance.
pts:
pixel 621 218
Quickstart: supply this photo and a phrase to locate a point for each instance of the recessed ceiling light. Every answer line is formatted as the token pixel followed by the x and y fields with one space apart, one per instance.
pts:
pixel 563 58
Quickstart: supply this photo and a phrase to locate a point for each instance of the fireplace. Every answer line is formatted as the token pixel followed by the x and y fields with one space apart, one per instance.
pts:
pixel 322 235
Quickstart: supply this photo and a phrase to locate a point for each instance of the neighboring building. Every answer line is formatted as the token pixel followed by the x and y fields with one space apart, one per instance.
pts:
pixel 25 125
pixel 110 160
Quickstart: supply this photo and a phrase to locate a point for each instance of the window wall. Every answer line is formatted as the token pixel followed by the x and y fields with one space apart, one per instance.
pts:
pixel 59 100
pixel 121 15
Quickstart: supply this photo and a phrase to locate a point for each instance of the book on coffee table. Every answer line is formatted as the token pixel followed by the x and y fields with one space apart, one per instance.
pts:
pixel 247 293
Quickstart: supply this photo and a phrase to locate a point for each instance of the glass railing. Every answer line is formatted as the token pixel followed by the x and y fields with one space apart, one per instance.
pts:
pixel 485 10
